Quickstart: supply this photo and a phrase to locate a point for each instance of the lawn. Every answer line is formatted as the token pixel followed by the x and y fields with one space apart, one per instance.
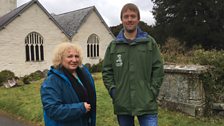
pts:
pixel 24 103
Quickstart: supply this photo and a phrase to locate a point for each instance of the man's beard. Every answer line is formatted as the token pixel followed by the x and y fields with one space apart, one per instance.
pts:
pixel 130 30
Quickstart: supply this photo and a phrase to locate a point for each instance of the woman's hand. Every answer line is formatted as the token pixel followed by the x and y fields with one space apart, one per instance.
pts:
pixel 87 106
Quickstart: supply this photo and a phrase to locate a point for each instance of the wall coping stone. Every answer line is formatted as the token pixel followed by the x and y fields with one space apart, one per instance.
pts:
pixel 187 69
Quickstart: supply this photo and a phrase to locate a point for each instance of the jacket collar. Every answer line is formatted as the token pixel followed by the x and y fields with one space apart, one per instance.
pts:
pixel 140 37
pixel 58 72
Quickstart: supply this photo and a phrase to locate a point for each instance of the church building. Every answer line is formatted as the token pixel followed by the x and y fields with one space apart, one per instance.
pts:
pixel 29 33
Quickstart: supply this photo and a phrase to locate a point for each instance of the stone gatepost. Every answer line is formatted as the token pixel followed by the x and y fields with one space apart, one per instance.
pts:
pixel 183 90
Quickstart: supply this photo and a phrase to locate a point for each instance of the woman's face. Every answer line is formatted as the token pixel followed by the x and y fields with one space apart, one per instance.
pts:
pixel 71 60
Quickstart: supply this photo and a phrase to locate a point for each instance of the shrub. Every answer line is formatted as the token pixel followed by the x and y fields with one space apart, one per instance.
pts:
pixel 174 51
pixel 25 79
pixel 88 65
pixel 213 81
pixel 45 72
pixel 95 67
pixel 6 75
pixel 37 75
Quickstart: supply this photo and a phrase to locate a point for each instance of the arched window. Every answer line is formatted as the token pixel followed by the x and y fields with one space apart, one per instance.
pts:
pixel 34 47
pixel 93 46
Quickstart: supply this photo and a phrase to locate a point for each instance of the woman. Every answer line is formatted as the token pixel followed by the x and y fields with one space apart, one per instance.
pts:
pixel 68 93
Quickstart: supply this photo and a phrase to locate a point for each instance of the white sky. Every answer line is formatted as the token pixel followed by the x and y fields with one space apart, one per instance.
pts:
pixel 109 9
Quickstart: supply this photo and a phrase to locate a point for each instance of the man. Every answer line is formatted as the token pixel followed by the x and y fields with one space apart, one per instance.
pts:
pixel 133 72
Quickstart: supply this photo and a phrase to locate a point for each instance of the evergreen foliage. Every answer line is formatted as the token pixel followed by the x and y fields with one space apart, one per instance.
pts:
pixel 190 21
pixel 144 26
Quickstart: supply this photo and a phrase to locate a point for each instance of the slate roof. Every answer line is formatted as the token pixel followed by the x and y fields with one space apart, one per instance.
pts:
pixel 7 18
pixel 71 21
pixel 68 23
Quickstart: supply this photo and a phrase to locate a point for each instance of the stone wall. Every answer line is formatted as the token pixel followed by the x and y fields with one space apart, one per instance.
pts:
pixel 12 41
pixel 34 19
pixel 183 90
pixel 93 25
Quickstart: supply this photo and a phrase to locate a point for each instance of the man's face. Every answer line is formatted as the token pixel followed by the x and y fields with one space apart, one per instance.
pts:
pixel 130 21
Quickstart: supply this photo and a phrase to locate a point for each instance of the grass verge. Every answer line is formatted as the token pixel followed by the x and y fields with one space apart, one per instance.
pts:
pixel 24 103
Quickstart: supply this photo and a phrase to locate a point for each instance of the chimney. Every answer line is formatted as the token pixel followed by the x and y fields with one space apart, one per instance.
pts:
pixel 6 6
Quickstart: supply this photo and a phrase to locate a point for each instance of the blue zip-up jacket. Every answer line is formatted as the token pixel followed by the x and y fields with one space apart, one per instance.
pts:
pixel 61 104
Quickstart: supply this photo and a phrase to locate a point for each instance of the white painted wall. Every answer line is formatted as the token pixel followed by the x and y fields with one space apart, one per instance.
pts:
pixel 12 41
pixel 93 25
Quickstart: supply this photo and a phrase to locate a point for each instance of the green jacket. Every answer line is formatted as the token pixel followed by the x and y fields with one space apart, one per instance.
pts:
pixel 133 73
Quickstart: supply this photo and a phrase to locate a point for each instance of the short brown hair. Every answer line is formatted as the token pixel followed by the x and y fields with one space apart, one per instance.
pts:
pixel 132 7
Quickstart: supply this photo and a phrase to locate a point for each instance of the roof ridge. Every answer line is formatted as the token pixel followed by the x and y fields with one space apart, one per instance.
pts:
pixel 90 7
pixel 7 18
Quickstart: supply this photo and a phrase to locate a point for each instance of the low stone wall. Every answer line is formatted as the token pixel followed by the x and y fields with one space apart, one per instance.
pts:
pixel 183 90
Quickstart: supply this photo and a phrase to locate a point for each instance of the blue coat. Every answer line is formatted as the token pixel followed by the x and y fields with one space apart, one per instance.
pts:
pixel 61 104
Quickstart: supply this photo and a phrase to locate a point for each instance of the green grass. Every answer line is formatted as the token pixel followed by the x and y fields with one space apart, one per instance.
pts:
pixel 24 102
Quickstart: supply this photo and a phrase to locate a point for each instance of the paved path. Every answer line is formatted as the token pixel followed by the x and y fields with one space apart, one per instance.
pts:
pixel 8 121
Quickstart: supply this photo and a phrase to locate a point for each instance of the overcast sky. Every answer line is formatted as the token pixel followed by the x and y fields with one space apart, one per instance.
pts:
pixel 109 9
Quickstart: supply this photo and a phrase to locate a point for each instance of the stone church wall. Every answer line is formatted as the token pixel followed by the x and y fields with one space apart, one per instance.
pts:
pixel 12 41
pixel 86 30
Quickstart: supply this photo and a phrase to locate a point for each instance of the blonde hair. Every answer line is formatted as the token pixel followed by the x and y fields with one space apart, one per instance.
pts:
pixel 60 50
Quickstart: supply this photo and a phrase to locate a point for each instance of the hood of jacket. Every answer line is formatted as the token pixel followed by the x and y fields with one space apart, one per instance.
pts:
pixel 141 36
pixel 59 73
